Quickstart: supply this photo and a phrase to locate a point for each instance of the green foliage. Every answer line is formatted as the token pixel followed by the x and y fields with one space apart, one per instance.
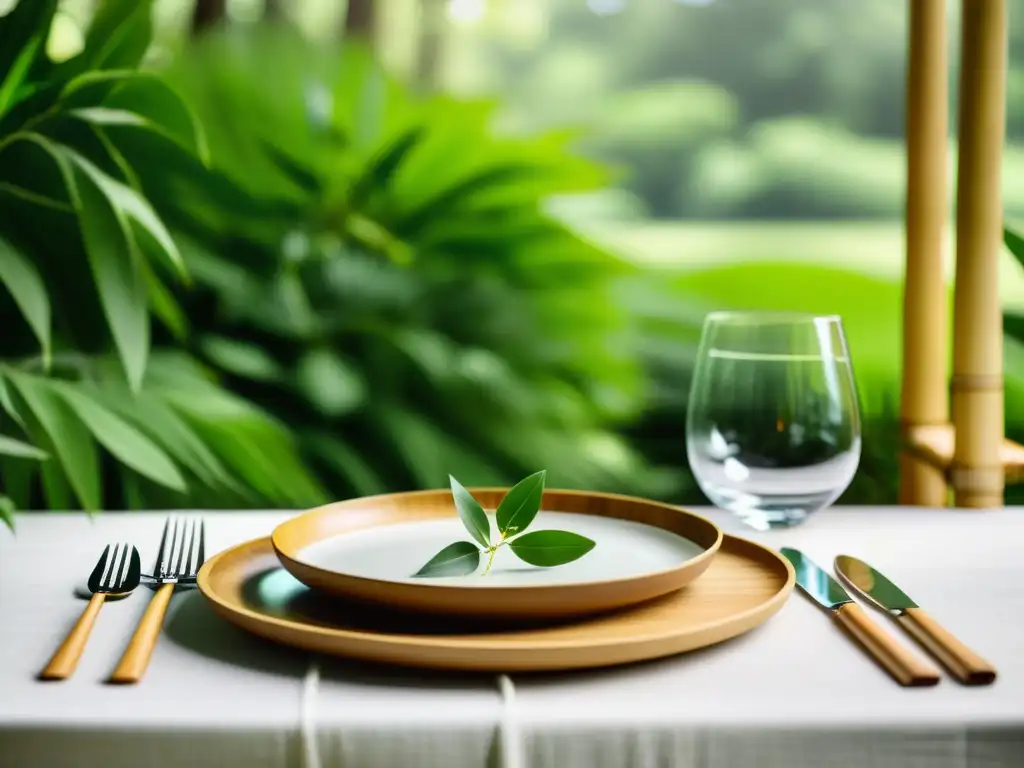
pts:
pixel 92 416
pixel 516 511
pixel 388 282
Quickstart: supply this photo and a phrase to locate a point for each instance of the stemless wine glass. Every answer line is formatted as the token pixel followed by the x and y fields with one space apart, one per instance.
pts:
pixel 773 427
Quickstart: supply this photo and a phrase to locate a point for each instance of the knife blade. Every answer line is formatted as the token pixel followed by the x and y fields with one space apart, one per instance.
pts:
pixel 905 668
pixel 966 665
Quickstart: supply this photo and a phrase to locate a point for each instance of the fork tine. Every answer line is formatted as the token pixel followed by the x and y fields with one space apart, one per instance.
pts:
pixel 159 570
pixel 201 558
pixel 191 548
pixel 110 564
pixel 180 550
pixel 101 565
pixel 114 578
pixel 173 549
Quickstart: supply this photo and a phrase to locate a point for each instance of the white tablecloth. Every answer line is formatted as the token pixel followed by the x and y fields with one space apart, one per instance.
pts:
pixel 794 693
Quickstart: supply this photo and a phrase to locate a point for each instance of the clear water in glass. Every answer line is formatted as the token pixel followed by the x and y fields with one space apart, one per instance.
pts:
pixel 773 424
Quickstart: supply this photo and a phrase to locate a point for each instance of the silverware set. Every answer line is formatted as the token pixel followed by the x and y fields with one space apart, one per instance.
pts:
pixel 906 668
pixel 118 573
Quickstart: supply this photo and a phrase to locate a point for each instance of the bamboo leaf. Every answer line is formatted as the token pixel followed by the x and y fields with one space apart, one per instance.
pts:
pixel 164 306
pixel 136 212
pixel 521 504
pixel 51 423
pixel 117 38
pixel 1015 243
pixel 550 548
pixel 114 261
pixel 241 359
pixel 22 279
pixel 379 172
pixel 23 35
pixel 7 512
pixel 127 444
pixel 458 559
pixel 331 384
pixel 56 487
pixel 11 447
pixel 471 513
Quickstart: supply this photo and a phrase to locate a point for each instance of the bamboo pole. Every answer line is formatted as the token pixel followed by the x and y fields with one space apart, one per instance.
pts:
pixel 924 398
pixel 977 473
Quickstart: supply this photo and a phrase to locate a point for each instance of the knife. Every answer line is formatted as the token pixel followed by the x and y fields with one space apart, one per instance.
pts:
pixel 967 666
pixel 817 584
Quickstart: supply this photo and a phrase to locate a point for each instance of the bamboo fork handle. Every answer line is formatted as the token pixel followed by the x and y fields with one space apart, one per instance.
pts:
pixel 967 666
pixel 133 663
pixel 904 667
pixel 65 658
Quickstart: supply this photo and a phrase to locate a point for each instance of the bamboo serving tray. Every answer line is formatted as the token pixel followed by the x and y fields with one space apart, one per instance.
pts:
pixel 645 549
pixel 744 585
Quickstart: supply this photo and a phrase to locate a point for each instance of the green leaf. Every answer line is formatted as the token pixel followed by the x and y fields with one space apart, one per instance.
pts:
pixel 126 443
pixel 7 512
pixel 117 38
pixel 1015 244
pixel 22 279
pixel 293 169
pixel 8 403
pixel 549 548
pixel 149 231
pixel 11 447
pixel 378 173
pixel 23 34
pixel 331 384
pixel 56 487
pixel 241 359
pixel 521 504
pixel 164 306
pixel 168 429
pixel 115 266
pixel 471 513
pixel 1013 325
pixel 458 559
pixel 346 462
pixel 164 110
pixel 52 424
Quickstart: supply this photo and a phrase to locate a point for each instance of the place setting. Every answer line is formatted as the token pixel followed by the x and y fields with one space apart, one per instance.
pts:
pixel 534 579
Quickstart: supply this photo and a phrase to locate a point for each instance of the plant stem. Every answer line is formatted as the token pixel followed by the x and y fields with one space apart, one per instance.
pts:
pixel 493 550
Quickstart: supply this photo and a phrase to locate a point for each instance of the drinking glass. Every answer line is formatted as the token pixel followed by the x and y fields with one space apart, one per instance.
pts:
pixel 773 426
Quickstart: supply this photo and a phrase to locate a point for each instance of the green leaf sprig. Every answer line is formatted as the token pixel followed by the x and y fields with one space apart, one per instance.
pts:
pixel 513 516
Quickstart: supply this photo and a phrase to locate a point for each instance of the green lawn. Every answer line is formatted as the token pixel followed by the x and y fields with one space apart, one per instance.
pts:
pixel 851 269
pixel 869 248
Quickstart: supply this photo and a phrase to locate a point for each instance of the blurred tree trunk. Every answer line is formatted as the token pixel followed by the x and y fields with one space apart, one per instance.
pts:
pixel 206 14
pixel 359 20
pixel 431 44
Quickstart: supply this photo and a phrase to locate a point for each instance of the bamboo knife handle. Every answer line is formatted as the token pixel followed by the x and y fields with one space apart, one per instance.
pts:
pixel 967 666
pixel 904 667
pixel 64 660
pixel 133 663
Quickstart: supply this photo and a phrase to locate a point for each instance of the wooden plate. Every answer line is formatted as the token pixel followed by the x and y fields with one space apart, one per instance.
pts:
pixel 744 586
pixel 369 549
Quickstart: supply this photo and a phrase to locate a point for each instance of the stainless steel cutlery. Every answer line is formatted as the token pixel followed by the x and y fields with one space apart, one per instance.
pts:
pixel 967 666
pixel 181 553
pixel 817 584
pixel 117 572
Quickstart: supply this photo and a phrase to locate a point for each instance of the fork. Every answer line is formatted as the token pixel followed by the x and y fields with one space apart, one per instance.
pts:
pixel 115 573
pixel 182 551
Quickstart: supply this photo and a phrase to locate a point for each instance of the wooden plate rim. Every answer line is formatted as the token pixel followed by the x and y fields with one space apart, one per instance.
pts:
pixel 441 642
pixel 293 564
